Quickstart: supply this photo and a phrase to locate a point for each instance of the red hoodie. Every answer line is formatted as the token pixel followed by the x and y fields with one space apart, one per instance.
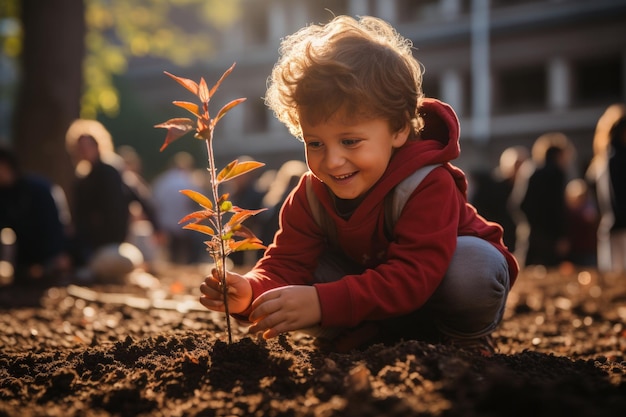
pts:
pixel 401 274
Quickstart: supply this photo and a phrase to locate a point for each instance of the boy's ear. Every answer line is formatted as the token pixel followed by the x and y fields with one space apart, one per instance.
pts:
pixel 401 136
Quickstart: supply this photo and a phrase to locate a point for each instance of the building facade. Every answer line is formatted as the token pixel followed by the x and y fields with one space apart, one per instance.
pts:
pixel 512 69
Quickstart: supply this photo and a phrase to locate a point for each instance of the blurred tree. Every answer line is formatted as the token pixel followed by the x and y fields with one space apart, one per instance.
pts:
pixel 48 96
pixel 70 50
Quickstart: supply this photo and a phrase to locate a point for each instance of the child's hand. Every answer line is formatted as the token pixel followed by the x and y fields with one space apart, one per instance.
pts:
pixel 239 292
pixel 285 309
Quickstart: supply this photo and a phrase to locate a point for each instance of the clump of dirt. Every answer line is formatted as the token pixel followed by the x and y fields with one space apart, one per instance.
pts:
pixel 132 351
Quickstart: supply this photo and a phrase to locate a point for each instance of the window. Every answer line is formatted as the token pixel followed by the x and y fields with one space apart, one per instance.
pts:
pixel 520 89
pixel 598 80
pixel 256 116
pixel 255 23
pixel 322 11
pixel 409 10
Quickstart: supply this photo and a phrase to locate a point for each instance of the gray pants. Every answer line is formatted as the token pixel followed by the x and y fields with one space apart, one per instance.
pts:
pixel 468 303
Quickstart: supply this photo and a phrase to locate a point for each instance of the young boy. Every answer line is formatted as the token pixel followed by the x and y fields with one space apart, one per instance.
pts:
pixel 351 91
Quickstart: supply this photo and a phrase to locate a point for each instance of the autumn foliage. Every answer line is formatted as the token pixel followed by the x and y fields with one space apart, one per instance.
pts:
pixel 218 218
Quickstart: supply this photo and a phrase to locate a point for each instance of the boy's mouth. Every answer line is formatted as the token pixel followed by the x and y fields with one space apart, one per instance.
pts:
pixel 344 176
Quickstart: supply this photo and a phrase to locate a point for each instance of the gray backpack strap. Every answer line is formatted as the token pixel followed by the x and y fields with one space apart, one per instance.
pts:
pixel 394 203
pixel 401 194
pixel 314 204
pixel 320 216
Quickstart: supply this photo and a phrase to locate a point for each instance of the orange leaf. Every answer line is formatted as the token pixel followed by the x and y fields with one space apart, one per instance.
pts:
pixel 200 228
pixel 203 91
pixel 243 231
pixel 226 170
pixel 235 169
pixel 219 82
pixel 204 129
pixel 188 84
pixel 198 198
pixel 197 216
pixel 246 244
pixel 176 128
pixel 223 197
pixel 241 216
pixel 226 109
pixel 191 107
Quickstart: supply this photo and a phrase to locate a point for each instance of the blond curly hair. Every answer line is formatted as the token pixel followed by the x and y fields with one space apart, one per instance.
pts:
pixel 362 67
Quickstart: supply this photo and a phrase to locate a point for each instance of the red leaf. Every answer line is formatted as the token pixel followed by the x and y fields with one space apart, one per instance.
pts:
pixel 226 109
pixel 176 128
pixel 243 231
pixel 219 82
pixel 241 216
pixel 188 84
pixel 203 91
pixel 197 216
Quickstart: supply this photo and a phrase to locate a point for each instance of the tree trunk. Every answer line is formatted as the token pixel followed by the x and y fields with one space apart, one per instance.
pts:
pixel 48 99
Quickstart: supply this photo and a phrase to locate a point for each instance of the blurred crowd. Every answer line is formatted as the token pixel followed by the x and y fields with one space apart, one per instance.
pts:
pixel 554 211
pixel 117 222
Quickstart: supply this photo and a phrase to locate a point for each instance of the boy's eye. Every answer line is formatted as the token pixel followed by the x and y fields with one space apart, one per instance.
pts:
pixel 350 142
pixel 314 145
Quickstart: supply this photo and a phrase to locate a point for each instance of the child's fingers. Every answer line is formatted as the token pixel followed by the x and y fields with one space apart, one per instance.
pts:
pixel 269 318
pixel 268 328
pixel 212 304
pixel 212 292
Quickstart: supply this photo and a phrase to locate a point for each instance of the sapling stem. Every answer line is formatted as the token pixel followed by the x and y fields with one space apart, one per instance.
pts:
pixel 219 258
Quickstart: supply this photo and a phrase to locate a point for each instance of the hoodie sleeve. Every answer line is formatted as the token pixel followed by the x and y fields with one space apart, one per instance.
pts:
pixel 292 258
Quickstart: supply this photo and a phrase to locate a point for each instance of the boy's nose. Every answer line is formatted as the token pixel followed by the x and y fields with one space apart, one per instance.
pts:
pixel 333 159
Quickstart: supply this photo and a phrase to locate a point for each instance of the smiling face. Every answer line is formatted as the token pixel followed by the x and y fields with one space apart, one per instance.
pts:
pixel 350 157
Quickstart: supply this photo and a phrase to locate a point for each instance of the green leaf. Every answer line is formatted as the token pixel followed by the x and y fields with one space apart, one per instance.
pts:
pixel 187 83
pixel 191 107
pixel 176 128
pixel 200 228
pixel 235 169
pixel 198 198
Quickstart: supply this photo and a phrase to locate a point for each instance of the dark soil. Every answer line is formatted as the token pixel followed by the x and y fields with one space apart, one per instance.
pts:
pixel 145 350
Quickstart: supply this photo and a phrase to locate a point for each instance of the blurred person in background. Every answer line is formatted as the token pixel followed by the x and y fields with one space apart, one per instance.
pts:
pixel 493 190
pixel 582 223
pixel 182 246
pixel 286 179
pixel 538 201
pixel 607 174
pixel 32 233
pixel 100 207
pixel 144 228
